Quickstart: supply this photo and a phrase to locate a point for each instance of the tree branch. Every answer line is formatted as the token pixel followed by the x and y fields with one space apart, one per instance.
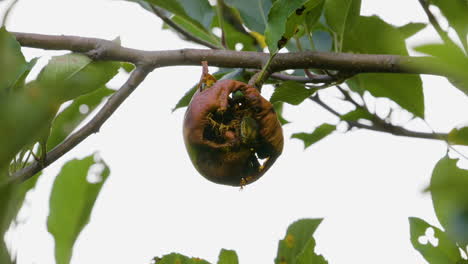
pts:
pixel 93 126
pixel 146 61
pixel 317 78
pixel 346 62
pixel 158 12
pixel 382 126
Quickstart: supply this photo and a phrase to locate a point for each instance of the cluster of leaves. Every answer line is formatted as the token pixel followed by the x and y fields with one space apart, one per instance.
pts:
pixel 297 247
pixel 321 25
pixel 44 112
pixel 337 25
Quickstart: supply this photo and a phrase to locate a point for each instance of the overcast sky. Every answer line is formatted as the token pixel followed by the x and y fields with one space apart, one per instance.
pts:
pixel 365 184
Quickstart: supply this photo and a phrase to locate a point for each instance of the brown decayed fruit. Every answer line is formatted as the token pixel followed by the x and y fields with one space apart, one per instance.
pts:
pixel 232 133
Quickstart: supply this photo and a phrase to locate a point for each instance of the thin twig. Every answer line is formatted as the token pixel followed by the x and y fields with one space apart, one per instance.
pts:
pixel 348 97
pixel 344 62
pixel 443 35
pixel 386 128
pixel 7 12
pixel 158 12
pixel 93 126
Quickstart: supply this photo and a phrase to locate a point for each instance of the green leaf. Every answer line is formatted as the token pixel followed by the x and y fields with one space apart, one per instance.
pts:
pixel 357 114
pixel 456 13
pixel 228 257
pixel 128 67
pixel 297 237
pixel 313 15
pixel 21 81
pixel 253 13
pixel 318 134
pixel 458 136
pixel 291 92
pixel 175 258
pixel 279 113
pixel 404 89
pixel 445 252
pixel 196 30
pixel 197 11
pixel 4 255
pixel 12 198
pixel 280 13
pixel 71 202
pixel 410 29
pixel 69 76
pixel 72 116
pixel 341 16
pixel 12 62
pixel 233 36
pixel 25 117
pixel 452 59
pixel 308 255
pixel 387 39
pixel 448 190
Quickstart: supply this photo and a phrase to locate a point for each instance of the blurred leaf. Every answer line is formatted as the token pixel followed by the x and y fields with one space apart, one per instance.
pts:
pixel 72 116
pixel 318 134
pixel 69 76
pixel 308 255
pixel 175 258
pixel 12 197
pixel 292 46
pixel 4 255
pixel 341 16
pixel 233 36
pixel 185 100
pixel 445 252
pixel 25 116
pixel 313 15
pixel 254 13
pixel 128 67
pixel 297 237
pixel 458 136
pixel 71 202
pixel 322 40
pixel 280 13
pixel 195 30
pixel 291 92
pixel 357 114
pixel 228 257
pixel 404 89
pixel 20 82
pixel 454 61
pixel 12 62
pixel 388 39
pixel 456 13
pixel 197 11
pixel 448 190
pixel 410 29
pixel 279 112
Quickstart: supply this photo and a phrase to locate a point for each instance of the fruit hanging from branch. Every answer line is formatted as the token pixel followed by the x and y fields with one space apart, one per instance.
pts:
pixel 232 134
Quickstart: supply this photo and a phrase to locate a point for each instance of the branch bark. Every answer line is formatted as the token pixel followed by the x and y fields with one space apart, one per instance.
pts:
pixel 382 126
pixel 345 62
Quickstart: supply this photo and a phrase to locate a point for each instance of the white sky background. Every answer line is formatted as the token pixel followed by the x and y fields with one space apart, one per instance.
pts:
pixel 365 184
